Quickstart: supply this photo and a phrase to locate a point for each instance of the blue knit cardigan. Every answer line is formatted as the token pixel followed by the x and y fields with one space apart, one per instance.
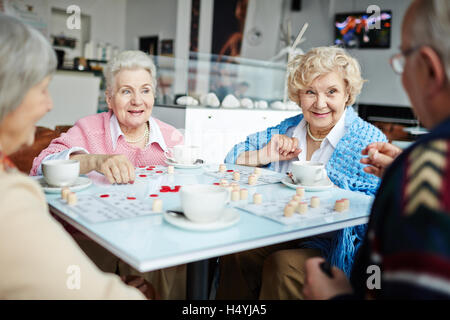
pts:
pixel 343 169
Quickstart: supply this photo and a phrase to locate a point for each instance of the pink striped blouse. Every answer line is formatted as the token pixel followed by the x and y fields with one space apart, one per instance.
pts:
pixel 93 133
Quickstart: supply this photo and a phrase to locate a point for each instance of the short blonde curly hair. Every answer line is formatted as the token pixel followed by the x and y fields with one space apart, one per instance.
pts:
pixel 305 68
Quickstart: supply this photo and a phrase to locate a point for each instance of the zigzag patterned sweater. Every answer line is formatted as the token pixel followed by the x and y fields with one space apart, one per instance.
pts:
pixel 408 234
pixel 343 169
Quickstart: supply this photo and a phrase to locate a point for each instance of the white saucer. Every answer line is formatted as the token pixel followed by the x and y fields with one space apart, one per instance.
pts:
pixel 79 184
pixel 229 218
pixel 320 186
pixel 184 166
pixel 416 130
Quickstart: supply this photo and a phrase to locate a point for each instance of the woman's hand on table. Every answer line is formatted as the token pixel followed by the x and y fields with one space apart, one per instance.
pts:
pixel 380 156
pixel 319 286
pixel 115 167
pixel 279 148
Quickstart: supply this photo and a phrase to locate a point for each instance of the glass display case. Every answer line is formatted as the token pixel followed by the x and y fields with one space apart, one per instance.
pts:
pixel 217 101
pixel 221 81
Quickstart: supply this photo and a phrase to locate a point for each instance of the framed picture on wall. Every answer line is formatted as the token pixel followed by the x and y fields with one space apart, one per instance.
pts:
pixel 149 45
pixel 167 47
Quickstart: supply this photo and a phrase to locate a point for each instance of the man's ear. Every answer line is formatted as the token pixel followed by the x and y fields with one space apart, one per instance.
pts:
pixel 435 70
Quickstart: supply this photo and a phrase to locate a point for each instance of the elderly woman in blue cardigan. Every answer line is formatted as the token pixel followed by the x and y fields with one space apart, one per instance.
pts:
pixel 324 83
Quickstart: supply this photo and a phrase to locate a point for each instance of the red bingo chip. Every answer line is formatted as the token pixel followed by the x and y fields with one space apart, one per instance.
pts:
pixel 230 170
pixel 159 172
pixel 104 196
pixel 131 198
pixel 142 175
pixel 141 167
pixel 216 184
pixel 165 189
pixel 150 169
pixel 175 189
pixel 153 195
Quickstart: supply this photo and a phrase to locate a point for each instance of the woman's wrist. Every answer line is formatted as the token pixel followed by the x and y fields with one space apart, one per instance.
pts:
pixel 251 158
pixel 88 162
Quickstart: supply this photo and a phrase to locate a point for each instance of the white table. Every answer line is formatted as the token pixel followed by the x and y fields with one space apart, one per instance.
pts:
pixel 149 243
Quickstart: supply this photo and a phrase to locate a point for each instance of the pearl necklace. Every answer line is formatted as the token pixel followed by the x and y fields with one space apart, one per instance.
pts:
pixel 311 136
pixel 146 134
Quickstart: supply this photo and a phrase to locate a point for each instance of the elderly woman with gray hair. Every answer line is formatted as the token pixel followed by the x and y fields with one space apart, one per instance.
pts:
pixel 35 251
pixel 324 83
pixel 115 142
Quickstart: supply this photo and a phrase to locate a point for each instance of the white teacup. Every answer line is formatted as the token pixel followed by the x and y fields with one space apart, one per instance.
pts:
pixel 203 203
pixel 183 154
pixel 308 172
pixel 61 173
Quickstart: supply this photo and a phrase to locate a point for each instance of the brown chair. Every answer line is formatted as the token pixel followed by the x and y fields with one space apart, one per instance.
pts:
pixel 23 159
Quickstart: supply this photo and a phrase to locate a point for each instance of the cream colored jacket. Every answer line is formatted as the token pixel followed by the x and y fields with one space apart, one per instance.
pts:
pixel 38 258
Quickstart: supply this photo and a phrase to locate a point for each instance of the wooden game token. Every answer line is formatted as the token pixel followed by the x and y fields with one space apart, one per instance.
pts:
pixel 257 171
pixel 346 203
pixel 64 193
pixel 235 186
pixel 252 179
pixel 315 202
pixel 289 210
pixel 302 207
pixel 297 198
pixel 293 203
pixel 157 205
pixel 170 170
pixel 244 194
pixel 339 206
pixel 236 176
pixel 300 191
pixel 72 199
pixel 235 195
pixel 222 168
pixel 223 182
pixel 257 198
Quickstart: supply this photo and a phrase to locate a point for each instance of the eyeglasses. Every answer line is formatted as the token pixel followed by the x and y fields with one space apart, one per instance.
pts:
pixel 398 60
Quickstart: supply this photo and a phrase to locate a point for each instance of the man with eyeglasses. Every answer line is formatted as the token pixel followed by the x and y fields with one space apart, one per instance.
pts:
pixel 406 251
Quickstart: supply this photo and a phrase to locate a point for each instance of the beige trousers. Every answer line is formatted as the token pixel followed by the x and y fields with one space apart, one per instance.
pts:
pixel 170 283
pixel 274 272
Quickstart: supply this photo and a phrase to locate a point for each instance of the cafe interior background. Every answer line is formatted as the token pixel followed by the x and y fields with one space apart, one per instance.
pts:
pixel 221 65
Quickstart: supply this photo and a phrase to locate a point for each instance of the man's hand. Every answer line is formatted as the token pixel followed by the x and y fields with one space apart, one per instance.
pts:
pixel 279 148
pixel 380 156
pixel 319 286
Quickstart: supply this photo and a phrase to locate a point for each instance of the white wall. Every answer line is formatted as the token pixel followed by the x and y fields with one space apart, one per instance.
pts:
pixel 383 86
pixel 107 18
pixel 149 18
pixel 264 15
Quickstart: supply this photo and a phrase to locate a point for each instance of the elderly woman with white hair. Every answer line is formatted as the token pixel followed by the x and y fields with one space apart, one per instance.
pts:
pixel 324 82
pixel 115 142
pixel 35 251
